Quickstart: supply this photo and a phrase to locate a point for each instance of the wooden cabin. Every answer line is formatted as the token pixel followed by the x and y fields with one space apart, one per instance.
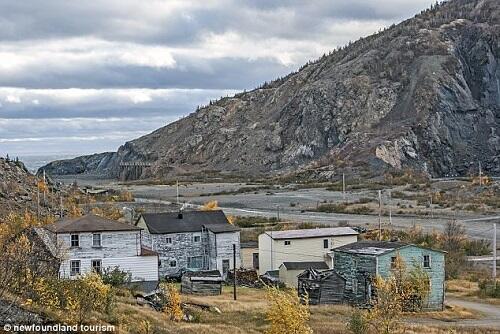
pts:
pixel 206 283
pixel 322 287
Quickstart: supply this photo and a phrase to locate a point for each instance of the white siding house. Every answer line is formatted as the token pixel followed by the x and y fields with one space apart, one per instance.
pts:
pixel 92 243
pixel 308 245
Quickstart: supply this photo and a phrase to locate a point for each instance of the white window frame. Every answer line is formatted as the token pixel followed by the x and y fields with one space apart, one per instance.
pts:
pixel 100 265
pixel 77 239
pixel 195 237
pixel 326 243
pixel 93 240
pixel 170 263
pixel 287 242
pixel 168 240
pixel 74 273
pixel 423 262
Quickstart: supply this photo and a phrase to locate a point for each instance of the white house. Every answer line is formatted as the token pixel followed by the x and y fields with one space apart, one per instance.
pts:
pixel 308 245
pixel 191 240
pixel 92 243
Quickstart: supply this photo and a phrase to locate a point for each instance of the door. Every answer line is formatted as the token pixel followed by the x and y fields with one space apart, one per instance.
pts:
pixel 225 268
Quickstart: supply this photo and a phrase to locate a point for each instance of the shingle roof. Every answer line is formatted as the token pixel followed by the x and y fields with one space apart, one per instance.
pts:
pixel 312 233
pixel 188 221
pixel 89 223
pixel 221 228
pixel 371 247
pixel 305 265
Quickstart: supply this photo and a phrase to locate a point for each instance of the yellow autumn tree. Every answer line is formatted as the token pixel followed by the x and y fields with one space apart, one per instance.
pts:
pixel 109 212
pixel 210 206
pixel 286 313
pixel 172 301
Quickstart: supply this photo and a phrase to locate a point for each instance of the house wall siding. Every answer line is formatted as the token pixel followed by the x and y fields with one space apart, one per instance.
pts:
pixel 272 253
pixel 118 249
pixel 358 271
pixel 413 256
pixel 113 244
pixel 181 248
pixel 141 268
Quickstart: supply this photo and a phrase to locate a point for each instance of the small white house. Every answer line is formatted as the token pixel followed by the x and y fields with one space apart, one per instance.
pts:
pixel 308 245
pixel 92 243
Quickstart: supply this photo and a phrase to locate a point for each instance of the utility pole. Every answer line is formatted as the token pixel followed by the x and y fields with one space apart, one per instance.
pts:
pixel 177 192
pixel 390 208
pixel 380 215
pixel 480 175
pixel 61 207
pixel 234 269
pixel 494 253
pixel 37 201
pixel 432 213
pixel 343 186
pixel 278 212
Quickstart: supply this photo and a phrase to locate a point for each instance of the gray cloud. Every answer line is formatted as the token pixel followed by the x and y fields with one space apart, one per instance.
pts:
pixel 88 75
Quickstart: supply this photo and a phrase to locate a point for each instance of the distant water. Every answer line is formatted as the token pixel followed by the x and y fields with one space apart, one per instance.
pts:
pixel 33 162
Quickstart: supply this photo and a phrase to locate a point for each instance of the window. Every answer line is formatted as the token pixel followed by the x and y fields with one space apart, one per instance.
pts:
pixel 287 242
pixel 96 240
pixel 427 261
pixel 195 262
pixel 325 243
pixel 97 266
pixel 173 263
pixel 74 268
pixel 354 285
pixel 75 240
pixel 393 262
pixel 196 238
pixel 168 240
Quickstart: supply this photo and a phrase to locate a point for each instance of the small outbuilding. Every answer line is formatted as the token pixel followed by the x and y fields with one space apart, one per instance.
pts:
pixel 289 271
pixel 321 287
pixel 206 283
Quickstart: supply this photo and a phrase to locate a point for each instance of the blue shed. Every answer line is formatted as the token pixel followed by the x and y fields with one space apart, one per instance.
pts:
pixel 360 262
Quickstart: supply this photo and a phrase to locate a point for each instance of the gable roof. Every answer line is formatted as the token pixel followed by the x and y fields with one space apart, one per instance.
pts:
pixel 375 248
pixel 221 228
pixel 89 223
pixel 311 233
pixel 187 221
pixel 318 265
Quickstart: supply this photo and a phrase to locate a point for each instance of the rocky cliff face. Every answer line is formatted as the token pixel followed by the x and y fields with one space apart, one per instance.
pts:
pixel 424 94
pixel 17 187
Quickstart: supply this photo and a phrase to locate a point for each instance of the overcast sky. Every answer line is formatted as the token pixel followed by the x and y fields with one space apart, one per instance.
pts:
pixel 80 77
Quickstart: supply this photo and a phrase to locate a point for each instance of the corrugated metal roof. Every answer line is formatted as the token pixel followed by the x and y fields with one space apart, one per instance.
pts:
pixel 89 223
pixel 187 221
pixel 311 233
pixel 305 265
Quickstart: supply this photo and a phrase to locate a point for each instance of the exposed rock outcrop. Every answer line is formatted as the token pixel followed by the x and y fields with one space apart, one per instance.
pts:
pixel 423 94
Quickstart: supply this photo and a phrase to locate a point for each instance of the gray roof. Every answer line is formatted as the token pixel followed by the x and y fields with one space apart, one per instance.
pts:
pixel 369 247
pixel 312 233
pixel 89 223
pixel 305 265
pixel 188 221
pixel 221 228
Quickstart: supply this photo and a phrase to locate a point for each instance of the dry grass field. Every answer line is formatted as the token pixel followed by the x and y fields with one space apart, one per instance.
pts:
pixel 247 315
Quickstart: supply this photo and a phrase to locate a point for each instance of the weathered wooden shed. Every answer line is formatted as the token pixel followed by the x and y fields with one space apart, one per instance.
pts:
pixel 205 283
pixel 322 287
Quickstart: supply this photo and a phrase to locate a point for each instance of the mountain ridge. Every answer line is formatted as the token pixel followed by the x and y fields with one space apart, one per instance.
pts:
pixel 423 94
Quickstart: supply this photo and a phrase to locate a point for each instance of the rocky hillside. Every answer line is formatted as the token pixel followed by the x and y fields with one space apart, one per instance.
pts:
pixel 423 94
pixel 18 190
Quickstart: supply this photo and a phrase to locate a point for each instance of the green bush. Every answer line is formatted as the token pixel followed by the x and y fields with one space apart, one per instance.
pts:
pixel 357 323
pixel 115 276
pixel 489 288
